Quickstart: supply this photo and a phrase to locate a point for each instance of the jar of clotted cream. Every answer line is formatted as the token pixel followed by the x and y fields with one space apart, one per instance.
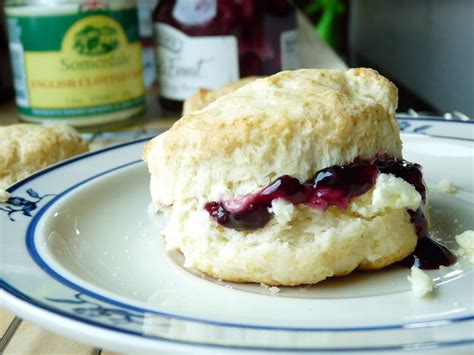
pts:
pixel 75 62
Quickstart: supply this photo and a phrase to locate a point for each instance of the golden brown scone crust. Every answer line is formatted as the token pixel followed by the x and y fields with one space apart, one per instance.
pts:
pixel 26 148
pixel 205 96
pixel 294 122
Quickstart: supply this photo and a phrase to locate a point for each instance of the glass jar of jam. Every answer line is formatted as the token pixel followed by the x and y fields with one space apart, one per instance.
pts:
pixel 208 43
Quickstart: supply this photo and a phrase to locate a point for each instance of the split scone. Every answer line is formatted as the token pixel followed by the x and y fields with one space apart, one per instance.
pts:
pixel 289 180
pixel 26 148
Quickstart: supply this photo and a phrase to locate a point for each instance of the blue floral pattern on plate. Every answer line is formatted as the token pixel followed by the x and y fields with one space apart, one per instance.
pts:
pixel 439 128
pixel 408 127
pixel 17 204
pixel 85 307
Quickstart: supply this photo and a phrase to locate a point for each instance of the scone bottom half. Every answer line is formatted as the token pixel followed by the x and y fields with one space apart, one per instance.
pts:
pixel 353 204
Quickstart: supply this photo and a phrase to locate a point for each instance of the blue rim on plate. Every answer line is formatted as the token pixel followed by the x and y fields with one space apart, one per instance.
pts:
pixel 131 310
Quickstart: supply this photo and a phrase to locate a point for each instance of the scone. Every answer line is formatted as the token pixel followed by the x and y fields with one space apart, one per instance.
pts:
pixel 26 148
pixel 289 180
pixel 204 96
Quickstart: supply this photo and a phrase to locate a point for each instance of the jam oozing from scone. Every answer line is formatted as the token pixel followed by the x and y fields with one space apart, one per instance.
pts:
pixel 429 255
pixel 334 186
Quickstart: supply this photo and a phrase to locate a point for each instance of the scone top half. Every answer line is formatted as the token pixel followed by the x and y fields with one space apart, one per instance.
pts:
pixel 292 123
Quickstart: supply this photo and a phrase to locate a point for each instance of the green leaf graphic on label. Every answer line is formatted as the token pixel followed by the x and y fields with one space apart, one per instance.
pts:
pixel 93 40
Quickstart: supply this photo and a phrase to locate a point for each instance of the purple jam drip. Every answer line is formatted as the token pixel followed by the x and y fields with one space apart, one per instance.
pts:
pixel 429 255
pixel 418 219
pixel 335 186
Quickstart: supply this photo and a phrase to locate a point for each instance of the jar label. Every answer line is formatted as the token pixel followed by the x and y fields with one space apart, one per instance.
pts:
pixel 186 64
pixel 89 63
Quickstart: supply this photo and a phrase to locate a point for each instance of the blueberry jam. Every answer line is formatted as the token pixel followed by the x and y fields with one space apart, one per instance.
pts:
pixel 251 211
pixel 429 255
pixel 334 186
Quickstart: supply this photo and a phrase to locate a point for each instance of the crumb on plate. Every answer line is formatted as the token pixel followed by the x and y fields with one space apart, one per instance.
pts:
pixel 465 241
pixel 446 186
pixel 421 283
pixel 272 289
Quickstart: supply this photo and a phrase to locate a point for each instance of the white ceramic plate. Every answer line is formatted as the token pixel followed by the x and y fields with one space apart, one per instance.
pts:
pixel 81 255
